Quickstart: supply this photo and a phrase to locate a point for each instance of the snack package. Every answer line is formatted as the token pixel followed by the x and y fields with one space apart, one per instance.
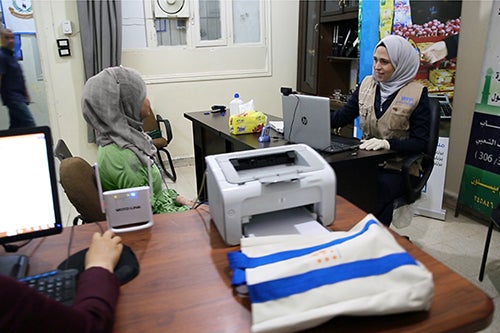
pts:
pixel 402 13
pixel 386 14
pixel 247 122
pixel 441 76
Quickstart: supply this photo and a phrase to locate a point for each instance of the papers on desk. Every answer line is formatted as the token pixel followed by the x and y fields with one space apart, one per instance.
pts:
pixel 277 125
pixel 286 222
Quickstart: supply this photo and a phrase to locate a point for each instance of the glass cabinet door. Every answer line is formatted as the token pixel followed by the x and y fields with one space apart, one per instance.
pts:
pixel 307 79
pixel 332 7
pixel 351 5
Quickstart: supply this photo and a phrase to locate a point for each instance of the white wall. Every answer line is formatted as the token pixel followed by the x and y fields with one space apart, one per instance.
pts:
pixel 473 33
pixel 64 80
pixel 64 76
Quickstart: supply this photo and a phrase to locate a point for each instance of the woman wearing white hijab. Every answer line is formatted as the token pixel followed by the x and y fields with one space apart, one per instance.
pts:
pixel 394 114
pixel 114 103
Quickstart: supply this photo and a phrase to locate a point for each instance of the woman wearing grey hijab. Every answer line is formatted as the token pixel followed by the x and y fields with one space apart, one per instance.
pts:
pixel 394 114
pixel 114 103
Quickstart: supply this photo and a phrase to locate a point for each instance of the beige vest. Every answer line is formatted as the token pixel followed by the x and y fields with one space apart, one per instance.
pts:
pixel 395 122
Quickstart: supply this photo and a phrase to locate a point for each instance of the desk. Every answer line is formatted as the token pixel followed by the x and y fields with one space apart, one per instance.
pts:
pixel 184 283
pixel 356 174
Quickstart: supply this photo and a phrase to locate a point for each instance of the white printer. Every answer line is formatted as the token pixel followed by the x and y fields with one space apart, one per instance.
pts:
pixel 269 191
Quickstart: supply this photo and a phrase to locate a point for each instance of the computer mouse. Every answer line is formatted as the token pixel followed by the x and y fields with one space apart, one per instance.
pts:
pixel 126 269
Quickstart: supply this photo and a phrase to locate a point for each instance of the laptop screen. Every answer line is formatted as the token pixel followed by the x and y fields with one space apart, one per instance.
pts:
pixel 29 196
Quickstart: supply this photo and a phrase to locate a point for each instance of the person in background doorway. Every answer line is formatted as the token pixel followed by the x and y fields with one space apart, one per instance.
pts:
pixel 394 114
pixel 13 89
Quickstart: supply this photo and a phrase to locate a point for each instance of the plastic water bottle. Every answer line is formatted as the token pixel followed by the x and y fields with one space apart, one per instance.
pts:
pixel 234 105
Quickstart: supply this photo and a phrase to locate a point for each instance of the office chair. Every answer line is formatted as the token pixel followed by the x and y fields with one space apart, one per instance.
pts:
pixel 413 191
pixel 152 125
pixel 494 222
pixel 61 151
pixel 77 178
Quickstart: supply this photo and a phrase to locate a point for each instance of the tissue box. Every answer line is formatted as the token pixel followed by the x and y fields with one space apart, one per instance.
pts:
pixel 247 122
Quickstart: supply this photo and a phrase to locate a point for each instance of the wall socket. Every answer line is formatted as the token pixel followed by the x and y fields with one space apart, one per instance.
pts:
pixel 66 27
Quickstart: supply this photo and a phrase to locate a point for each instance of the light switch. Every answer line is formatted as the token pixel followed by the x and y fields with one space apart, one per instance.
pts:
pixel 66 27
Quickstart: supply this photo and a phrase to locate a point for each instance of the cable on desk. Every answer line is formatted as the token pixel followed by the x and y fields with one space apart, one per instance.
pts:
pixel 293 117
pixel 68 250
pixel 14 247
pixel 198 203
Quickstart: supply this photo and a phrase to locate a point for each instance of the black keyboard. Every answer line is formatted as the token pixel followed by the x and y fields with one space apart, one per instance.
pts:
pixel 340 144
pixel 59 285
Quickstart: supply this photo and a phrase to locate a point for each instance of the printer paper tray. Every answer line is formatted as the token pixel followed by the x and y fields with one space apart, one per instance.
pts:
pixel 284 222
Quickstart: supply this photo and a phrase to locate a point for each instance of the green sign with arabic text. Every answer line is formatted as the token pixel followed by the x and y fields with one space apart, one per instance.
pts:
pixel 480 187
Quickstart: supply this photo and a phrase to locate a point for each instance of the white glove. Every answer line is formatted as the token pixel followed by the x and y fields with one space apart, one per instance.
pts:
pixel 374 144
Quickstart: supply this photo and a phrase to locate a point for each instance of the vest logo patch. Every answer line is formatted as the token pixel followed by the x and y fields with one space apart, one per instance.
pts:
pixel 405 100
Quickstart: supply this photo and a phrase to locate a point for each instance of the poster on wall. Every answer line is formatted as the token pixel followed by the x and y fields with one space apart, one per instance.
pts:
pixel 433 27
pixel 480 186
pixel 18 16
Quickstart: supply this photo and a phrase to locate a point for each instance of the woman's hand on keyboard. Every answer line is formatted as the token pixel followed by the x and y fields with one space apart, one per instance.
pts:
pixel 374 144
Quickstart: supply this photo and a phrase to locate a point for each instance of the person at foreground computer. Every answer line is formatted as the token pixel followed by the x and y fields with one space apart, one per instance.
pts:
pixel 114 103
pixel 23 309
pixel 394 114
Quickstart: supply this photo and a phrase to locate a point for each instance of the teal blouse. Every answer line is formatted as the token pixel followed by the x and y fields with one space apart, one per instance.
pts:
pixel 121 168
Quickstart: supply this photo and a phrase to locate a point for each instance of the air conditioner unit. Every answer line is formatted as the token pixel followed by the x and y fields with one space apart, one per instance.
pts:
pixel 171 8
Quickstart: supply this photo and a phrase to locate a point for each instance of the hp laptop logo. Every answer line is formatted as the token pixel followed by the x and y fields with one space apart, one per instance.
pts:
pixel 303 120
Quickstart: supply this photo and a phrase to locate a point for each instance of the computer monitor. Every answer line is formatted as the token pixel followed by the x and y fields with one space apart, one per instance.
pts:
pixel 29 202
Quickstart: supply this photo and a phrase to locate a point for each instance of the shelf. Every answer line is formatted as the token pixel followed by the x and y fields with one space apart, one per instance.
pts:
pixel 339 17
pixel 339 59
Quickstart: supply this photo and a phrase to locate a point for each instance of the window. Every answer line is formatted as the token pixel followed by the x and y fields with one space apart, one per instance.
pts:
pixel 208 24
pixel 203 40
pixel 210 20
pixel 246 21
pixel 170 32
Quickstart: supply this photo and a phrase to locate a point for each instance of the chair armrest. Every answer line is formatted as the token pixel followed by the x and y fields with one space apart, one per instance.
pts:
pixel 412 191
pixel 166 124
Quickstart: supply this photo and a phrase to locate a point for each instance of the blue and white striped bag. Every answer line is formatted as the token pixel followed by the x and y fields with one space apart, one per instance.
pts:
pixel 300 281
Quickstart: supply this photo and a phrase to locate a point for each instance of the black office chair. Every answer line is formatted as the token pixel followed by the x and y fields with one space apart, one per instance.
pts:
pixel 494 222
pixel 152 126
pixel 413 191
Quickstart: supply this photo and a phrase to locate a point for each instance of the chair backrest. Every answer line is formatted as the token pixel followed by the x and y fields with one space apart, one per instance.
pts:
pixel 152 126
pixel 150 123
pixel 77 178
pixel 61 150
pixel 428 160
pixel 413 191
pixel 435 115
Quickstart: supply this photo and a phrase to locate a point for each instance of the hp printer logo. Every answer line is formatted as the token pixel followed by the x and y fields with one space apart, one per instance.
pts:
pixel 303 120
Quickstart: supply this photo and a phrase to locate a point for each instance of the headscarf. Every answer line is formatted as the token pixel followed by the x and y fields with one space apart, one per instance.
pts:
pixel 111 104
pixel 405 60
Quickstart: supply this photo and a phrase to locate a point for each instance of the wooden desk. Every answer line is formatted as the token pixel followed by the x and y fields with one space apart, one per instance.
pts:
pixel 184 283
pixel 356 174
